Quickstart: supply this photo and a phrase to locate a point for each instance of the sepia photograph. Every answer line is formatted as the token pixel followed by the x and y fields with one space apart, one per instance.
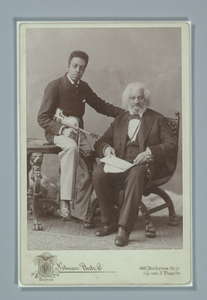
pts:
pixel 104 153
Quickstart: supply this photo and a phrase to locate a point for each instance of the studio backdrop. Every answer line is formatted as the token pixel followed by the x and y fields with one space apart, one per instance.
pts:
pixel 117 57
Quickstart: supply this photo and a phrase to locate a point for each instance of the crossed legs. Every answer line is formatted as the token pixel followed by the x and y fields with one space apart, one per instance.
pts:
pixel 104 187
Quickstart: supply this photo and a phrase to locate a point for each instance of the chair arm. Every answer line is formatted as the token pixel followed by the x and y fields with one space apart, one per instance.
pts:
pixel 149 163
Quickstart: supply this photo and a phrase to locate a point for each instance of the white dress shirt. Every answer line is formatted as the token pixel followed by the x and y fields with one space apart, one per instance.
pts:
pixel 133 128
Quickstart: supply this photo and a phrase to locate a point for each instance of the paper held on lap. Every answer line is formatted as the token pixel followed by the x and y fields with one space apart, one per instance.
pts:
pixel 115 165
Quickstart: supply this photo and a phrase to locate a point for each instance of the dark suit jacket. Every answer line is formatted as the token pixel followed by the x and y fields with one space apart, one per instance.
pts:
pixel 154 133
pixel 60 93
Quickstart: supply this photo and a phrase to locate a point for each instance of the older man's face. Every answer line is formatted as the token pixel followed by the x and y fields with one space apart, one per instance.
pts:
pixel 137 102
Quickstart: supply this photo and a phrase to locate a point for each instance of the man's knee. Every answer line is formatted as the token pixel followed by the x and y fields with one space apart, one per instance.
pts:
pixel 138 172
pixel 71 147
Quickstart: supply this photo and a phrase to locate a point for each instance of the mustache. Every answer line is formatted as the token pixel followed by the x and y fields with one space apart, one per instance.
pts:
pixel 137 109
pixel 137 105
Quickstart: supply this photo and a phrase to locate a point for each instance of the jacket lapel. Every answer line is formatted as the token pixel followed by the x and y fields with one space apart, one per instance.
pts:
pixel 123 130
pixel 66 81
pixel 145 128
pixel 146 125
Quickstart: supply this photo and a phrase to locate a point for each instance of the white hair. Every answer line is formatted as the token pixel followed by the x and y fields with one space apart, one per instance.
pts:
pixel 136 85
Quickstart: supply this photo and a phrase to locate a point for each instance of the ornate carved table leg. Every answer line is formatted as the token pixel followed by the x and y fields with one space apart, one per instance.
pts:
pixel 29 188
pixel 36 162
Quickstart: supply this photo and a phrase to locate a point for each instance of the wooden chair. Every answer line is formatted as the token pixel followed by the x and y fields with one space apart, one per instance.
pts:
pixel 152 187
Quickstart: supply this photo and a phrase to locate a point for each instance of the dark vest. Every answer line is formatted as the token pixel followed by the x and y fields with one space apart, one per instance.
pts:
pixel 132 150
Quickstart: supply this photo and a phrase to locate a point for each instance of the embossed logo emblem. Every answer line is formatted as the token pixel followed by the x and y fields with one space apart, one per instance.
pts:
pixel 45 262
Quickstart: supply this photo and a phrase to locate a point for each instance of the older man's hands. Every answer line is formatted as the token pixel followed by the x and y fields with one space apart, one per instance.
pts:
pixel 142 157
pixel 108 151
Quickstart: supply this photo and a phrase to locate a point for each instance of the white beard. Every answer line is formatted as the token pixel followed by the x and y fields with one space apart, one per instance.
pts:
pixel 137 110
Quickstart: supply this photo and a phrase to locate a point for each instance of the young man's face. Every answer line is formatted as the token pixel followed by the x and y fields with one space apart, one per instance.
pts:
pixel 76 68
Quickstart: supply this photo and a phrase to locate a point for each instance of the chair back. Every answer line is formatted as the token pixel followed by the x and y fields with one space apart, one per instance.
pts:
pixel 174 123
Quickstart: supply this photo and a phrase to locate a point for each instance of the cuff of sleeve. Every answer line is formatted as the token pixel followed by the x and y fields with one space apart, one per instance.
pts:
pixel 61 129
pixel 105 149
pixel 149 151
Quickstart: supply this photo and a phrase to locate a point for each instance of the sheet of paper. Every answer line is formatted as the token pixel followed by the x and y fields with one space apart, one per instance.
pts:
pixel 115 165
pixel 112 169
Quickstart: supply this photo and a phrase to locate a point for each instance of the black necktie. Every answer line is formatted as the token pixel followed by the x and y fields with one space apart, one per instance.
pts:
pixel 131 117
pixel 75 86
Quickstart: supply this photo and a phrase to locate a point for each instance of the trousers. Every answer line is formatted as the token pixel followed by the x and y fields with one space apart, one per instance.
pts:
pixel 75 181
pixel 134 181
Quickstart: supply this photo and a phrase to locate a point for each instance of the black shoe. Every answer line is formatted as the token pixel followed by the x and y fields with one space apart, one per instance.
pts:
pixel 89 223
pixel 76 220
pixel 122 237
pixel 68 218
pixel 107 229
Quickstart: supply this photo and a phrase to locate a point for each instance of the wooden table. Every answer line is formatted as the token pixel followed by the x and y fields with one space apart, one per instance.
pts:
pixel 36 148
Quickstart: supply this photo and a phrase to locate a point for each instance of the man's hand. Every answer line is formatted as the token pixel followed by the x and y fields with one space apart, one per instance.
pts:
pixel 69 122
pixel 70 132
pixel 108 151
pixel 142 157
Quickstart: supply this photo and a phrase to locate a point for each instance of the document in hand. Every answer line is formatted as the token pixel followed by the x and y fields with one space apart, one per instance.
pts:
pixel 115 165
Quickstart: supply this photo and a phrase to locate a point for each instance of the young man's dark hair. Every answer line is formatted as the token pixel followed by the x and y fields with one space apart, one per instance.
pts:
pixel 79 54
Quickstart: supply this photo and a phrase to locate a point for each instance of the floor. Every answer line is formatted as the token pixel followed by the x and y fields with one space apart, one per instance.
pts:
pixel 66 235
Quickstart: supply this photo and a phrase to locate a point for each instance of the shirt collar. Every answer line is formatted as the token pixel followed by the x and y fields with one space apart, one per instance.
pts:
pixel 141 114
pixel 77 83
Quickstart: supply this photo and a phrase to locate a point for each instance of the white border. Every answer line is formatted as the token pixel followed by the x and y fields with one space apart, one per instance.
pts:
pixel 186 126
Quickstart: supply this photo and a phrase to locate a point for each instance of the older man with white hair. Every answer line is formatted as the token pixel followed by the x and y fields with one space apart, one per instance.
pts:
pixel 133 136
